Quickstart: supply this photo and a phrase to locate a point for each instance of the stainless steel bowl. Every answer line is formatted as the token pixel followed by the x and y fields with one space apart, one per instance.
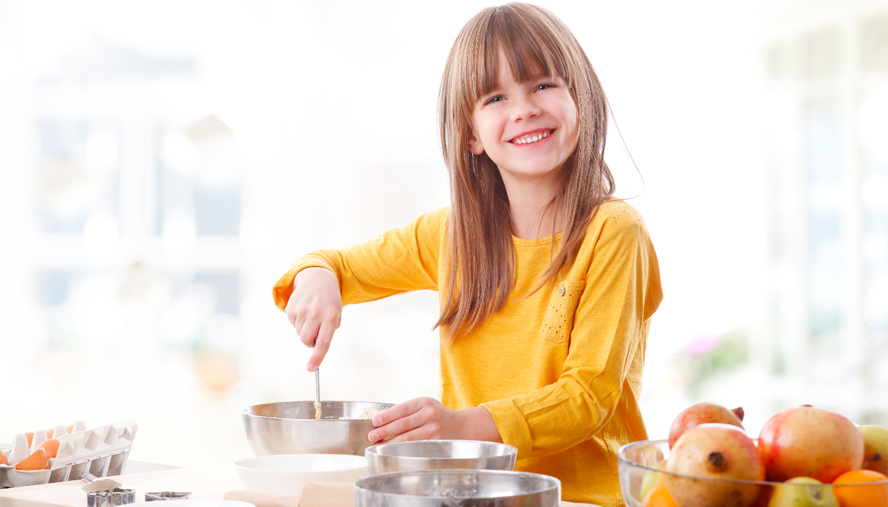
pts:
pixel 452 488
pixel 440 454
pixel 290 427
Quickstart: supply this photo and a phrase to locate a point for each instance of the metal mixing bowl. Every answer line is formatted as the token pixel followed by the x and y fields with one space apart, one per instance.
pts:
pixel 290 427
pixel 440 454
pixel 457 488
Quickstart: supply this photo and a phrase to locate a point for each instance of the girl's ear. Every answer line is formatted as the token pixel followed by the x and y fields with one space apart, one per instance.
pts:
pixel 474 143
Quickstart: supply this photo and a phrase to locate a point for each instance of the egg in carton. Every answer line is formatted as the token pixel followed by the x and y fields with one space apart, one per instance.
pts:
pixel 100 451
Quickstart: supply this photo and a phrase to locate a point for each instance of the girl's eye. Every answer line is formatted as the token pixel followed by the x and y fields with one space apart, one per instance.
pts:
pixel 545 86
pixel 491 100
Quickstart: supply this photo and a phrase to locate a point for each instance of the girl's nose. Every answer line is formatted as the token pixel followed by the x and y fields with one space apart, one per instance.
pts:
pixel 524 109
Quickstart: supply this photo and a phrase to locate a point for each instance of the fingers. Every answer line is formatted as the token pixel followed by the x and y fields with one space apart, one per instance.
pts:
pixel 315 332
pixel 321 344
pixel 385 421
pixel 420 433
pixel 308 332
pixel 397 412
pixel 315 311
pixel 416 419
pixel 414 424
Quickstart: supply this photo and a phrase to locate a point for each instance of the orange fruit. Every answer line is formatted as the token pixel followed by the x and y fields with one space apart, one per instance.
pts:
pixel 51 447
pixel 36 461
pixel 658 496
pixel 30 437
pixel 862 495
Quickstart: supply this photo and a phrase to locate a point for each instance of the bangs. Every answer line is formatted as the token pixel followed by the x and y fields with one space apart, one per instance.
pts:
pixel 530 45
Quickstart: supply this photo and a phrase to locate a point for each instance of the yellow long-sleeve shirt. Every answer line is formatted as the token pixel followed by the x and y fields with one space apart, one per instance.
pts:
pixel 560 371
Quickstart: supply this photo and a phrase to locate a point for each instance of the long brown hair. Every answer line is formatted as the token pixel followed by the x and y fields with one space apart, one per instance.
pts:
pixel 480 247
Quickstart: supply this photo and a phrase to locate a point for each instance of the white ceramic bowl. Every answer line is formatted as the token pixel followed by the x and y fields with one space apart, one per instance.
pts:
pixel 286 474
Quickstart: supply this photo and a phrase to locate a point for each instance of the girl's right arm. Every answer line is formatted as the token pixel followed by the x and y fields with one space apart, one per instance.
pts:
pixel 316 286
pixel 315 310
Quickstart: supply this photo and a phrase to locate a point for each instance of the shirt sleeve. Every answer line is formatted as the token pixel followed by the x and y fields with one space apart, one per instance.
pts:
pixel 622 291
pixel 397 261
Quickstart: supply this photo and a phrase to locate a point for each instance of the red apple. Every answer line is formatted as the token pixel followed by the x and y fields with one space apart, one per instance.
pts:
pixel 809 442
pixel 714 451
pixel 703 413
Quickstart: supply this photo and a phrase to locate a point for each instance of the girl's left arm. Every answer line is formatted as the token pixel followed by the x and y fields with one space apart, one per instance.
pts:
pixel 601 376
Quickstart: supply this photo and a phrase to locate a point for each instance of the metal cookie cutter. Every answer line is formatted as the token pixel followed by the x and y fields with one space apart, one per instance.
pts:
pixel 110 497
pixel 167 495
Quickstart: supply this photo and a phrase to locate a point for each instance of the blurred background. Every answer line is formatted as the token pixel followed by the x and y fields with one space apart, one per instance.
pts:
pixel 162 163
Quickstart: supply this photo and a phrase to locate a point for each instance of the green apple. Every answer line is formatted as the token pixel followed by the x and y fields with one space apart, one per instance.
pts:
pixel 803 492
pixel 650 479
pixel 875 448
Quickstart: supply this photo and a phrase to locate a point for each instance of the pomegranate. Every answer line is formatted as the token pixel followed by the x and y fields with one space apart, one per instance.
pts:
pixel 809 442
pixel 714 451
pixel 702 413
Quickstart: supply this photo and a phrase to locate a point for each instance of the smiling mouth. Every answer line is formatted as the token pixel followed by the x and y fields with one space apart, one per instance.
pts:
pixel 532 138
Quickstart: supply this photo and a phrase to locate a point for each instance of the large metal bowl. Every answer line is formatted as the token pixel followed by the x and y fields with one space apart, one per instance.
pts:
pixel 457 488
pixel 290 427
pixel 439 455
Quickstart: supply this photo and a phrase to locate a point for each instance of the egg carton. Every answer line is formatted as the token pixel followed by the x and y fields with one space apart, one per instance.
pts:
pixel 101 451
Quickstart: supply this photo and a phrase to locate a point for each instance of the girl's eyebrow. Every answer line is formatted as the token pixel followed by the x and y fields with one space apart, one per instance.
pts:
pixel 545 77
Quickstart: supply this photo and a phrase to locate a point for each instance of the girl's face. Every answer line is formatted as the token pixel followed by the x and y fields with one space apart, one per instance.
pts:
pixel 528 129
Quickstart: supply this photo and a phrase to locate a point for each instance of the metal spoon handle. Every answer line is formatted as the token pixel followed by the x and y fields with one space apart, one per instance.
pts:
pixel 317 403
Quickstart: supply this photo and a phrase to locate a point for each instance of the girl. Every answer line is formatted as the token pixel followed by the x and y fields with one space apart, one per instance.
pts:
pixel 547 284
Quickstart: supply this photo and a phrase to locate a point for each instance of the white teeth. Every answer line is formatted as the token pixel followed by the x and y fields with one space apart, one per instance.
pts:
pixel 532 138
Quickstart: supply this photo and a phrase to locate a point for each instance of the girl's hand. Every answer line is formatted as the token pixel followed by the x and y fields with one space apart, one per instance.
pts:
pixel 428 419
pixel 315 310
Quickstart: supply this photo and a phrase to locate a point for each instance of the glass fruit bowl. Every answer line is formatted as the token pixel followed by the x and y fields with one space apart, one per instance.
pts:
pixel 639 474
